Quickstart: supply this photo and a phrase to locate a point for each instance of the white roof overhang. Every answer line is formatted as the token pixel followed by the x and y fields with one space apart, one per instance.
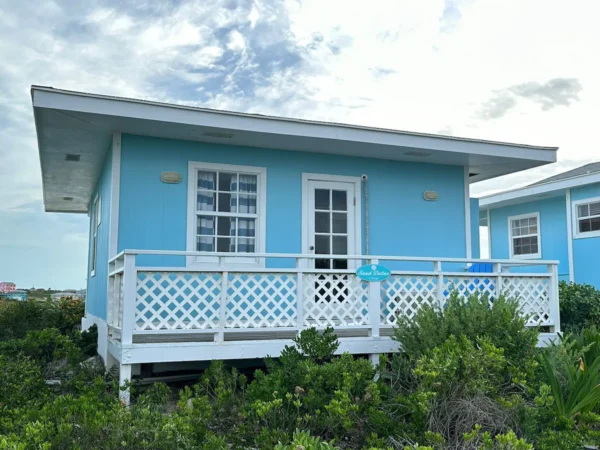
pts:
pixel 83 124
pixel 536 192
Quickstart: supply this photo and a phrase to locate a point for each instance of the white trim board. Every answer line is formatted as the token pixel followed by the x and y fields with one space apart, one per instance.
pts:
pixel 576 233
pixel 261 229
pixel 115 192
pixel 537 255
pixel 570 236
pixel 468 249
pixel 522 195
pixel 306 177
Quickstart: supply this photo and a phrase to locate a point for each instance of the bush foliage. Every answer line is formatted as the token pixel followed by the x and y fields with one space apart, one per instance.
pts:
pixel 579 306
pixel 468 377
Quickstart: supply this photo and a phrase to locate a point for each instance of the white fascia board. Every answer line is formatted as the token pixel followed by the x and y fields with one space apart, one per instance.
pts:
pixel 180 114
pixel 521 195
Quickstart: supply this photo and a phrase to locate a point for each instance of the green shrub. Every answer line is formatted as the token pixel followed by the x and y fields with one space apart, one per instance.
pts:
pixel 303 440
pixel 579 306
pixel 42 346
pixel 503 325
pixel 18 318
pixel 21 382
pixel 328 396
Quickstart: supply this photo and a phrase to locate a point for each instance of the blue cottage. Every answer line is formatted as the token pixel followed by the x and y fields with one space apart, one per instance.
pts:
pixel 221 235
pixel 555 218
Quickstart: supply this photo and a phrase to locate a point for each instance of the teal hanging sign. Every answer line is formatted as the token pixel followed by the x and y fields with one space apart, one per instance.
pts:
pixel 373 272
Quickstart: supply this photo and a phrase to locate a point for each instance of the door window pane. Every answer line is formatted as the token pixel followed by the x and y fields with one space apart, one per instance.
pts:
pixel 339 200
pixel 322 198
pixel 340 222
pixel 322 245
pixel 340 246
pixel 341 264
pixel 322 264
pixel 321 222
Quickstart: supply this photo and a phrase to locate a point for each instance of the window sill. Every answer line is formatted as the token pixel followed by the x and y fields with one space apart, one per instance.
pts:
pixel 534 256
pixel 587 235
pixel 233 263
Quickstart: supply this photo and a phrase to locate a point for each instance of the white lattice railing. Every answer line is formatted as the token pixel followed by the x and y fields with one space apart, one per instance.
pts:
pixel 155 300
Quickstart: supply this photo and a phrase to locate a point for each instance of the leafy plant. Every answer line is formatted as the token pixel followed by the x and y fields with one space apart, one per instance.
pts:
pixel 303 440
pixel 582 390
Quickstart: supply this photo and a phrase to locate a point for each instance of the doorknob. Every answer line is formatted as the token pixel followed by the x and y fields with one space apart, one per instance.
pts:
pixel 311 248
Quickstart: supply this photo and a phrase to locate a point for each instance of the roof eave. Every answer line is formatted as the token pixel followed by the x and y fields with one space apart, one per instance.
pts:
pixel 521 195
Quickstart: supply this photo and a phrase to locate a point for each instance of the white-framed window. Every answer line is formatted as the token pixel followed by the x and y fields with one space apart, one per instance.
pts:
pixel 586 214
pixel 226 212
pixel 96 220
pixel 525 236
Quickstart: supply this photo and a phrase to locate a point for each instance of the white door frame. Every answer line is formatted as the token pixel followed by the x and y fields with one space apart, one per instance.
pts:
pixel 306 177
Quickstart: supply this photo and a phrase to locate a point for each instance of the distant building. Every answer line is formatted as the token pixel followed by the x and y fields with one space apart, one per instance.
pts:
pixel 65 294
pixel 14 294
pixel 7 286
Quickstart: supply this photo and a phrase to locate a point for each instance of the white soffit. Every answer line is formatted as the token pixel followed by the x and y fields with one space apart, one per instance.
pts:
pixel 82 124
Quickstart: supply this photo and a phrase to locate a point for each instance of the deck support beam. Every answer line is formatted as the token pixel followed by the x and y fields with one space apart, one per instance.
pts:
pixel 124 379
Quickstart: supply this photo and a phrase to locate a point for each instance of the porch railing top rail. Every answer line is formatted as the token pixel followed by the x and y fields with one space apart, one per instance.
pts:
pixel 512 262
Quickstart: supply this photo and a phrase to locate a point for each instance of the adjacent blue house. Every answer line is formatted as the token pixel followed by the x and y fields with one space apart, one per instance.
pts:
pixel 556 218
pixel 220 235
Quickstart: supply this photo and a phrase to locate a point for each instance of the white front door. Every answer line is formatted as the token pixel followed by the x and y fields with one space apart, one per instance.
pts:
pixel 331 222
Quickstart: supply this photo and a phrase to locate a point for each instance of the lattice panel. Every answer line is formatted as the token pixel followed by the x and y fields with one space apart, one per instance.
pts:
pixel 335 300
pixel 261 300
pixel 404 295
pixel 533 294
pixel 468 285
pixel 177 301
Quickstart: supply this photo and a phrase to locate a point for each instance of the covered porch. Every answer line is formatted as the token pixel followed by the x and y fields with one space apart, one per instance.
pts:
pixel 169 314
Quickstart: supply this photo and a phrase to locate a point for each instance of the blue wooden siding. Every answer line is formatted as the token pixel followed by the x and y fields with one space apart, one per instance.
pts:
pixel 553 232
pixel 586 251
pixel 95 302
pixel 475 250
pixel 153 215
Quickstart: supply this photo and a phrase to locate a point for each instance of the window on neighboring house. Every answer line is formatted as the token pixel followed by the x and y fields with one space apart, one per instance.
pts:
pixel 525 236
pixel 96 219
pixel 588 218
pixel 227 212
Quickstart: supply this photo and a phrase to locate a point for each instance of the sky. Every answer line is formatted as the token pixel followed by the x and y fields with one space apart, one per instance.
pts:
pixel 510 70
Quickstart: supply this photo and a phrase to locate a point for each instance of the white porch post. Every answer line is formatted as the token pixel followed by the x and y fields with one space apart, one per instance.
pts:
pixel 437 267
pixel 129 294
pixel 128 319
pixel 375 304
pixel 553 297
pixel 220 335
pixel 300 264
pixel 124 377
pixel 497 268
